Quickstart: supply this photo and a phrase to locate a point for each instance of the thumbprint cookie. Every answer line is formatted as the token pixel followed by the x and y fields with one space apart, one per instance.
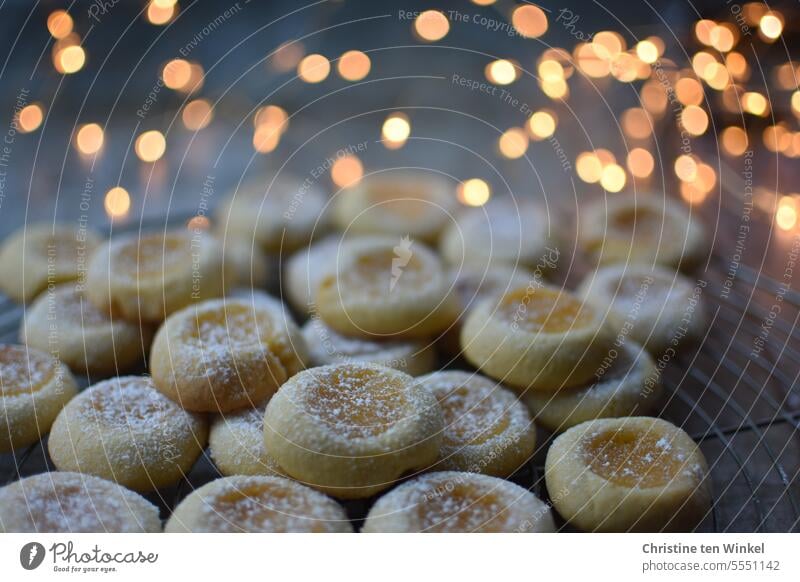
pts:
pixel 414 205
pixel 38 255
pixel 64 502
pixel 147 278
pixel 257 504
pixel 472 285
pixel 627 384
pixel 34 387
pixel 486 428
pixel 501 233
pixel 236 444
pixel 352 430
pixel 657 307
pixel 628 474
pixel 226 354
pixel 392 288
pixel 87 339
pixel 278 214
pixel 125 430
pixel 326 346
pixel 642 229
pixel 542 338
pixel 454 502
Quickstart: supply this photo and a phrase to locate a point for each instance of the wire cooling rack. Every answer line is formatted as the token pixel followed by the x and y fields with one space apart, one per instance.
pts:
pixel 735 392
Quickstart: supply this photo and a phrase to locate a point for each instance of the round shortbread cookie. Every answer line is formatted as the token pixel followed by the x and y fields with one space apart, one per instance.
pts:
pixel 642 229
pixel 257 504
pixel 388 289
pixel 628 474
pixel 657 307
pixel 413 205
pixel 226 354
pixel 453 502
pixel 63 502
pixel 539 338
pixel 38 255
pixel 34 387
pixel 85 338
pixel 148 278
pixel 351 430
pixel 126 431
pixel 486 427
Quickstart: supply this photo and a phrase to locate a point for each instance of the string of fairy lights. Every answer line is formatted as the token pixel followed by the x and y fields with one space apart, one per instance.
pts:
pixel 718 72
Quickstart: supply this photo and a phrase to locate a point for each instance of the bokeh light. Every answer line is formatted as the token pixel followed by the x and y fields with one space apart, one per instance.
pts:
pixel 160 15
pixel 542 124
pixel 59 24
pixel 474 192
pixel 694 120
pixel 197 114
pixel 396 130
pixel 30 118
pixel 513 143
pixel 70 59
pixel 314 68
pixel 353 65
pixel 501 72
pixel 431 25
pixel 117 202
pixel 734 140
pixel 89 139
pixel 529 20
pixel 150 146
pixel 347 171
pixel 613 178
pixel 640 163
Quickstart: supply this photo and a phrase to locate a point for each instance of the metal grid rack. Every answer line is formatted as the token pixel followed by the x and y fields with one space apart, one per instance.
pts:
pixel 741 407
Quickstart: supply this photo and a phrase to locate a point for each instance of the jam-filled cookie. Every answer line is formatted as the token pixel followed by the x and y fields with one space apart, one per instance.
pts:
pixel 236 444
pixel 326 346
pixel 486 428
pixel 34 387
pixel 38 255
pixel 642 229
pixel 472 285
pixel 628 474
pixel 226 354
pixel 64 502
pixel 414 205
pixel 87 339
pixel 542 338
pixel 627 384
pixel 257 504
pixel 147 278
pixel 278 214
pixel 352 430
pixel 454 502
pixel 388 289
pixel 125 430
pixel 657 307
pixel 501 233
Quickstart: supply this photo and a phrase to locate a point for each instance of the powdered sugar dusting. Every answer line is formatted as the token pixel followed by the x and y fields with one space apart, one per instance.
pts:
pixel 23 370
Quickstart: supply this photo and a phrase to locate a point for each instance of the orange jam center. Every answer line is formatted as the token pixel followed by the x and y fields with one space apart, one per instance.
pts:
pixel 545 310
pixel 357 402
pixel 154 255
pixel 23 371
pixel 460 507
pixel 632 459
pixel 380 271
